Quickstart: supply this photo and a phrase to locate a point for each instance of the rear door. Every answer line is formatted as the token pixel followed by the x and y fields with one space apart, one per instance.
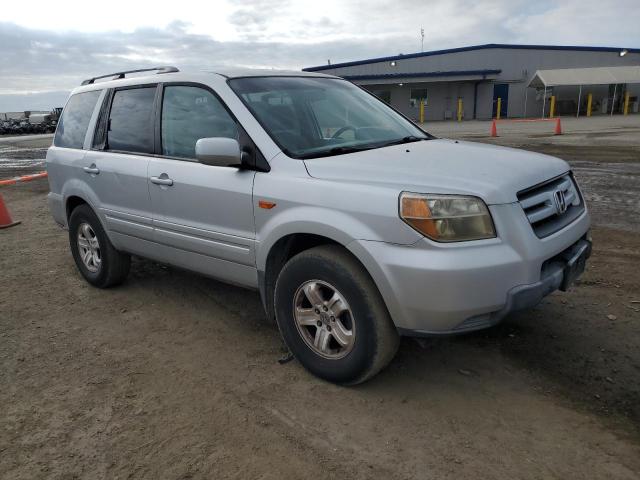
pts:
pixel 117 166
pixel 203 213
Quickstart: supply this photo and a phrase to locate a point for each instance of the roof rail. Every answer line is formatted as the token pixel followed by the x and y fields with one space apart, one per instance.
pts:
pixel 117 75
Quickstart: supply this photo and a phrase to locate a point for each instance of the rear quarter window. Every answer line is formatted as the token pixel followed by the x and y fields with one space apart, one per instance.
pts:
pixel 75 120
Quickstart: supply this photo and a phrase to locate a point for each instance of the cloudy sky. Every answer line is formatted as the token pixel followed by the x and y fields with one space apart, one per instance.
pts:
pixel 48 47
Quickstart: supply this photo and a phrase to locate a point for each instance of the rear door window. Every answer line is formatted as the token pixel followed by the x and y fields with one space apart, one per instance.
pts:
pixel 131 120
pixel 75 120
pixel 189 114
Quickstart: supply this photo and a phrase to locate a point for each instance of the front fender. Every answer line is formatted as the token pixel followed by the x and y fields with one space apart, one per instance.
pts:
pixel 340 211
pixel 337 226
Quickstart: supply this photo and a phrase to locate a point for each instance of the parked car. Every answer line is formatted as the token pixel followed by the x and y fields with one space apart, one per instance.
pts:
pixel 355 225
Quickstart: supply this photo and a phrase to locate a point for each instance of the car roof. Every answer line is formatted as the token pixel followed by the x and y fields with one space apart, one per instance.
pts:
pixel 185 76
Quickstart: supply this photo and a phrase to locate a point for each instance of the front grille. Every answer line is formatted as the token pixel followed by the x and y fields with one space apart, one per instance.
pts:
pixel 541 205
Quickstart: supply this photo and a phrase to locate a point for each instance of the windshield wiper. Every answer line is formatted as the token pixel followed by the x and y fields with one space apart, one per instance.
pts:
pixel 407 139
pixel 338 151
pixel 360 148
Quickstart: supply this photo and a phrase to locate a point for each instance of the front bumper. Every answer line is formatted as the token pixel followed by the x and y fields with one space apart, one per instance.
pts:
pixel 440 289
pixel 558 274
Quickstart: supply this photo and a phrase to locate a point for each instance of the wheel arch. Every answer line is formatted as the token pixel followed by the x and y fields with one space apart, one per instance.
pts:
pixel 283 249
pixel 72 202
pixel 76 193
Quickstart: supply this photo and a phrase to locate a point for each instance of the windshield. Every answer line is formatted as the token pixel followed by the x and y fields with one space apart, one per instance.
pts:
pixel 311 117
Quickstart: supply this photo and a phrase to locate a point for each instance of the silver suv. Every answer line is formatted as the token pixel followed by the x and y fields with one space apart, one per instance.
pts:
pixel 355 225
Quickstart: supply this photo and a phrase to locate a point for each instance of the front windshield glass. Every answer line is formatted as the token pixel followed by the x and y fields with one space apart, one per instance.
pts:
pixel 312 117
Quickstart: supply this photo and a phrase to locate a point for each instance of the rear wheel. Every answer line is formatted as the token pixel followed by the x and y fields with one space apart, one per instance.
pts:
pixel 332 316
pixel 98 261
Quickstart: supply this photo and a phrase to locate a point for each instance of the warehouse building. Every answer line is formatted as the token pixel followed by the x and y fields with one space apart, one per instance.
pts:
pixel 482 81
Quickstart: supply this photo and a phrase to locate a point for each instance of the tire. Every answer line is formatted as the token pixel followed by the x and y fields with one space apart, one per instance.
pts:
pixel 319 273
pixel 106 266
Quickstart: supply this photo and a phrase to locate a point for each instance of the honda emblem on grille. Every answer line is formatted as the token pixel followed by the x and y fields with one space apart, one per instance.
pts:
pixel 561 201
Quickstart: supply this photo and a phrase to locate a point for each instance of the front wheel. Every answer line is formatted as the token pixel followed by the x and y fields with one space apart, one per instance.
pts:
pixel 332 316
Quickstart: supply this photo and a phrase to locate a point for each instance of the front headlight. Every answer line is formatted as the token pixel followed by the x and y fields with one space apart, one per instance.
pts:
pixel 447 218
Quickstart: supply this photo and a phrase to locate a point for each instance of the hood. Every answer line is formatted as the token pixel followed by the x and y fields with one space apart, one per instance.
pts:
pixel 492 173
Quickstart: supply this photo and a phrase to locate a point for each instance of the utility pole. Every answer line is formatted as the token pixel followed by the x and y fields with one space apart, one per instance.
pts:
pixel 422 42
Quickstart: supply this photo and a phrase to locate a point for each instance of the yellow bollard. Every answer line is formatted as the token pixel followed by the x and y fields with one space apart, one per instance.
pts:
pixel 460 109
pixel 421 110
pixel 552 106
pixel 498 108
pixel 626 103
pixel 589 102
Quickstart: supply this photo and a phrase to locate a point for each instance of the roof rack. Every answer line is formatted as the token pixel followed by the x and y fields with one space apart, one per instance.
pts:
pixel 117 75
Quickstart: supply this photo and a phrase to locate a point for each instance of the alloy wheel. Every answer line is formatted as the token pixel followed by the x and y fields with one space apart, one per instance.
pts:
pixel 89 247
pixel 324 319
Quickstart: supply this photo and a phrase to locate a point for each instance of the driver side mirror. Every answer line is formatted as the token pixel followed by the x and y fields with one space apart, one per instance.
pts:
pixel 221 152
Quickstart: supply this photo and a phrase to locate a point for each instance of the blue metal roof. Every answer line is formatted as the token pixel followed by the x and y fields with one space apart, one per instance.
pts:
pixel 467 49
pixel 452 73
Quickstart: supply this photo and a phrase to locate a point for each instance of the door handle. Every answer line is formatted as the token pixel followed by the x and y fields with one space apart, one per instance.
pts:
pixel 92 169
pixel 162 180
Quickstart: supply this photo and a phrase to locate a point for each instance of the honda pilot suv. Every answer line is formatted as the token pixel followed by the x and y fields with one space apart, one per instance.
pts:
pixel 355 225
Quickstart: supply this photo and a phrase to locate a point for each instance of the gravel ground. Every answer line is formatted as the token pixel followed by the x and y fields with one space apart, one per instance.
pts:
pixel 173 375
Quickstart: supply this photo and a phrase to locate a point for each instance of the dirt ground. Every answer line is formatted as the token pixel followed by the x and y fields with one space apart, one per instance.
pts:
pixel 176 376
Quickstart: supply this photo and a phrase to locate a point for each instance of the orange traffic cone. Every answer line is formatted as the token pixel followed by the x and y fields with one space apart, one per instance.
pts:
pixel 558 127
pixel 5 216
pixel 494 130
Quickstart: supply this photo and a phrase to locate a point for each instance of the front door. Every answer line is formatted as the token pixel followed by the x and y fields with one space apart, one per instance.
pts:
pixel 500 90
pixel 202 213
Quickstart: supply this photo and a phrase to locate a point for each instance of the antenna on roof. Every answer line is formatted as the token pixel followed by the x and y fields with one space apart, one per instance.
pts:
pixel 422 41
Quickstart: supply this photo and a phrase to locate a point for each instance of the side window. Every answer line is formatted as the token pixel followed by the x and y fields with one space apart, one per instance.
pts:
pixel 131 120
pixel 75 120
pixel 189 114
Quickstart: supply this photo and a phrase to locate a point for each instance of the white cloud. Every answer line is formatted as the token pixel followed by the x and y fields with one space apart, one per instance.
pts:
pixel 47 45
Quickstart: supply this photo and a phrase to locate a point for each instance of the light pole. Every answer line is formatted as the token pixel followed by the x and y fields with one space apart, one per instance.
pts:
pixel 422 41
